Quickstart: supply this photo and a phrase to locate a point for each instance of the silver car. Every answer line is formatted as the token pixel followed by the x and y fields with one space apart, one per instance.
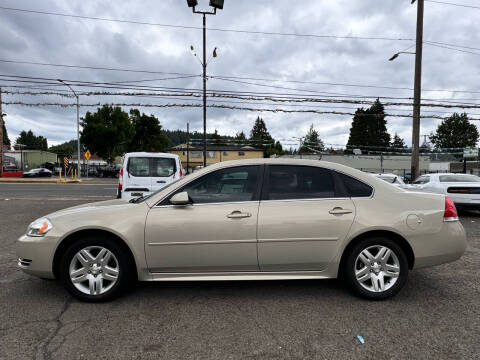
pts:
pixel 259 219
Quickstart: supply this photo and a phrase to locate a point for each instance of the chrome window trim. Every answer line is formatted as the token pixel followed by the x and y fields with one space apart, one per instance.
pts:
pixel 203 204
pixel 193 179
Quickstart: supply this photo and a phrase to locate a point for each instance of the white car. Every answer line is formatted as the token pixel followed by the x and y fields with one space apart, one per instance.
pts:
pixel 393 179
pixel 463 189
pixel 143 173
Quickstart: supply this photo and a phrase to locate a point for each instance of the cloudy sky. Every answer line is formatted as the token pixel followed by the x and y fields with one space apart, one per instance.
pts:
pixel 72 41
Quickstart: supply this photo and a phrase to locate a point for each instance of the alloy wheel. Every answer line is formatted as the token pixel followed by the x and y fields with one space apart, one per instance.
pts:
pixel 94 270
pixel 377 268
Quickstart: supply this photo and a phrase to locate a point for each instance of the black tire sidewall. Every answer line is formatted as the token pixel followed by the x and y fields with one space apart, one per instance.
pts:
pixel 349 269
pixel 95 240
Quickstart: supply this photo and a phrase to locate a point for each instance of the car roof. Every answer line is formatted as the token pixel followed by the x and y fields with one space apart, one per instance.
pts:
pixel 151 154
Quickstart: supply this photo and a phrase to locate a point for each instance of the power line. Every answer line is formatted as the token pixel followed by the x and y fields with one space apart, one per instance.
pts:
pixel 454 49
pixel 38 12
pixel 230 77
pixel 453 4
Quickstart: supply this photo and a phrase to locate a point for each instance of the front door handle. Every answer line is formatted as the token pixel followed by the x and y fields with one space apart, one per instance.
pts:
pixel 237 214
pixel 340 211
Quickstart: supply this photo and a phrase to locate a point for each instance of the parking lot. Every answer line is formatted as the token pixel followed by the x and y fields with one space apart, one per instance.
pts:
pixel 436 315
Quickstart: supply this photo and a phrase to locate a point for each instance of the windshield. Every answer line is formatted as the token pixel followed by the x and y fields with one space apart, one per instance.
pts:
pixel 459 178
pixel 151 166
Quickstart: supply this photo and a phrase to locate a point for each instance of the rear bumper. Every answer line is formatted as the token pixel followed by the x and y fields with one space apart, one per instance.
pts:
pixel 444 246
pixel 35 255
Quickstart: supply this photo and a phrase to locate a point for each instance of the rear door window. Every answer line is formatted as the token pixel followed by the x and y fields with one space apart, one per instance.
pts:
pixel 354 187
pixel 298 182
pixel 151 166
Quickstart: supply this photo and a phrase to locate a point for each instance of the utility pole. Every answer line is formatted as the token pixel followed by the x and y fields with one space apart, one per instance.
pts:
pixel 78 126
pixel 188 147
pixel 417 92
pixel 1 135
pixel 204 63
pixel 216 4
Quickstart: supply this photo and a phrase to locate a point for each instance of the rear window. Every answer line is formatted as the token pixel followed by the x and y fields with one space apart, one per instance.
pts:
pixel 459 178
pixel 151 166
pixel 354 187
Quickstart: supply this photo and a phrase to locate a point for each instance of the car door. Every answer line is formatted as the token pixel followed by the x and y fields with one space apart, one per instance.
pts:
pixel 302 219
pixel 215 233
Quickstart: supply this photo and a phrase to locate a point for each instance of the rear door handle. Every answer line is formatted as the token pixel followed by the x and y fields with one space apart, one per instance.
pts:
pixel 237 214
pixel 340 211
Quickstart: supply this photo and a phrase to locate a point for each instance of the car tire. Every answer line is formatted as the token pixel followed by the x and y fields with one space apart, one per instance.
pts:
pixel 376 268
pixel 95 269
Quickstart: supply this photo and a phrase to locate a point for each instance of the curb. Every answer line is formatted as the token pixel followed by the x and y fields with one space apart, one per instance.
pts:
pixel 37 181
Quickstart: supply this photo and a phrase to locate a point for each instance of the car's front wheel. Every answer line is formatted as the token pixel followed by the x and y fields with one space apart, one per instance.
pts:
pixel 376 268
pixel 95 269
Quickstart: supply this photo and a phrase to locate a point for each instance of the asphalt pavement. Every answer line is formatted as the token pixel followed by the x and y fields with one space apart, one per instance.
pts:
pixel 436 315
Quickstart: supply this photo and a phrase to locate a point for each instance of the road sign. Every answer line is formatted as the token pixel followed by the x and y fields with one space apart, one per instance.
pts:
pixel 88 155
pixel 65 162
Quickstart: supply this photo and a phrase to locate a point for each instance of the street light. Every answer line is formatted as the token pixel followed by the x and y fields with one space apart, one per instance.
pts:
pixel 216 4
pixel 78 126
pixel 398 53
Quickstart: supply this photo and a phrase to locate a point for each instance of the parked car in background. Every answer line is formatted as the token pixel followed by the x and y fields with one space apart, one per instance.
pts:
pixel 143 173
pixel 256 219
pixel 464 189
pixel 393 179
pixel 37 173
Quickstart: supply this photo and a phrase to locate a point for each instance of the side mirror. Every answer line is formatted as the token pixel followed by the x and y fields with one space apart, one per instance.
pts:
pixel 181 198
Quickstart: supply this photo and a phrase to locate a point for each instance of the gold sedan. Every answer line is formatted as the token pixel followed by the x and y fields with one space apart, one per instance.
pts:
pixel 259 219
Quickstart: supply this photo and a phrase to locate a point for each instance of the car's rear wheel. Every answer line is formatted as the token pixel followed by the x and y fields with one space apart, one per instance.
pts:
pixel 376 268
pixel 95 269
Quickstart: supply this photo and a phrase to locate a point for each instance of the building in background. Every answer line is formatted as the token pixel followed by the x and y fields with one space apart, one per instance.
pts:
pixel 215 154
pixel 24 160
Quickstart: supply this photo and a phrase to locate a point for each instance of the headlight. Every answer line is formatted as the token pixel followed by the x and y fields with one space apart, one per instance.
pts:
pixel 39 227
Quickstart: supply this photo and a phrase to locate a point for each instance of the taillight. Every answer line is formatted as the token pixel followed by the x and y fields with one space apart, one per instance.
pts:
pixel 450 213
pixel 120 179
pixel 181 172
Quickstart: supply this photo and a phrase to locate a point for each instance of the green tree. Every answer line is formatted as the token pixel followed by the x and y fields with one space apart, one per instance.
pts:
pixel 6 139
pixel 369 129
pixel 240 138
pixel 107 132
pixel 312 142
pixel 397 142
pixel 148 133
pixel 261 139
pixel 455 132
pixel 216 139
pixel 62 150
pixel 31 141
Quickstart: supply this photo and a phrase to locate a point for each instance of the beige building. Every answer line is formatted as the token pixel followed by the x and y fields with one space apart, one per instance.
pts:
pixel 215 154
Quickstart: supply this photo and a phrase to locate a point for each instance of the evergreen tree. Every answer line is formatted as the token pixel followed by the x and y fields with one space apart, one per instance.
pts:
pixel 216 139
pixel 148 133
pixel 312 142
pixel 261 139
pixel 369 129
pixel 31 141
pixel 240 138
pixel 455 132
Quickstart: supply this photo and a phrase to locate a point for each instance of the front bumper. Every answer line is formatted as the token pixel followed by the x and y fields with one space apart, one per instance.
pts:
pixel 35 255
pixel 444 246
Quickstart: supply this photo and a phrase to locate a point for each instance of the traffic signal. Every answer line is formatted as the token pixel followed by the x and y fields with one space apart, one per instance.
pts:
pixel 192 3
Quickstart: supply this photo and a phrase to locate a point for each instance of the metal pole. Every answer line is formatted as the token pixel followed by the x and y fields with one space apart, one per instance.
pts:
pixel 1 135
pixel 78 139
pixel 188 148
pixel 417 92
pixel 204 92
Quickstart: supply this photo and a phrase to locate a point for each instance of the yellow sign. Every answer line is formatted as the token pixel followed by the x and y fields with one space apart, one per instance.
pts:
pixel 88 155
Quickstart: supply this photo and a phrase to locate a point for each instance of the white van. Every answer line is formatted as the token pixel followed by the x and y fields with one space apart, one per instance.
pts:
pixel 143 173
